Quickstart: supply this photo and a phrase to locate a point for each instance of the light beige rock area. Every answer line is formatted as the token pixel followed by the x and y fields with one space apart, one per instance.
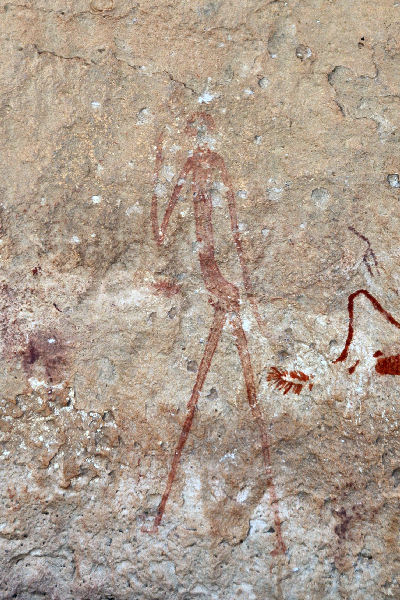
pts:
pixel 290 112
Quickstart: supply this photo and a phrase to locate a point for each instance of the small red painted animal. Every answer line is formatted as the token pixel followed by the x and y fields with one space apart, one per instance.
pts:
pixel 283 380
pixel 385 365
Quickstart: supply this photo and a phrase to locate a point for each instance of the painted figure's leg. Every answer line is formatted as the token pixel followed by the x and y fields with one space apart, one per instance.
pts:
pixel 211 346
pixel 241 343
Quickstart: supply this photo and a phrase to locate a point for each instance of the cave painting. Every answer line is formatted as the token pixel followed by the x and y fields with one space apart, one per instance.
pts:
pixel 198 175
pixel 289 381
pixel 369 257
pixel 385 365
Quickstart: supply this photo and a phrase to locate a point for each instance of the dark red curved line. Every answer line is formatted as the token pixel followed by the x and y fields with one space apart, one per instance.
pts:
pixel 350 307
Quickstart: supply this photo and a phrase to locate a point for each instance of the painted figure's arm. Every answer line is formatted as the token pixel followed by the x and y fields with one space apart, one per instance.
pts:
pixel 238 242
pixel 159 231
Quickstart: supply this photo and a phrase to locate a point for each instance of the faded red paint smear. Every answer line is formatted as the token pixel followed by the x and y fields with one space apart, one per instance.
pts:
pixel 50 355
pixel 167 288
pixel 225 296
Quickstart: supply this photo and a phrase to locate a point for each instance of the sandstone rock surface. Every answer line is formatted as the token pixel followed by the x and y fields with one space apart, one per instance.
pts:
pixel 286 115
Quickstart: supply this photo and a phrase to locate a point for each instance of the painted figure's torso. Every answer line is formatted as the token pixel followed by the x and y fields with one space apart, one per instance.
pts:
pixel 203 165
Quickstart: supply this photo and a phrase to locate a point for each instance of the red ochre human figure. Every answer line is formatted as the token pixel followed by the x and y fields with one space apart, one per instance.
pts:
pixel 199 169
pixel 385 365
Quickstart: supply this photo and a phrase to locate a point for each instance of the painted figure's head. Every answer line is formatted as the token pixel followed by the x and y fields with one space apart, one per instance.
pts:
pixel 199 124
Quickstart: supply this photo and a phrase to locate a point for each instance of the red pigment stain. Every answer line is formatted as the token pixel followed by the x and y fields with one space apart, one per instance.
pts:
pixel 167 288
pixel 282 380
pixel 388 365
pixel 225 297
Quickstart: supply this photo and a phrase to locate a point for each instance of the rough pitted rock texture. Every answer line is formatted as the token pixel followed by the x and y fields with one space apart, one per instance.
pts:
pixel 105 316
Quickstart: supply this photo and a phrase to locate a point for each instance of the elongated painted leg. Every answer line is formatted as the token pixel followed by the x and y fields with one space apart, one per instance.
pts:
pixel 211 346
pixel 241 343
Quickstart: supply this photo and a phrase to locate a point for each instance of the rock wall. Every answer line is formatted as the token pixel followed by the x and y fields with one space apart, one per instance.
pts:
pixel 199 217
